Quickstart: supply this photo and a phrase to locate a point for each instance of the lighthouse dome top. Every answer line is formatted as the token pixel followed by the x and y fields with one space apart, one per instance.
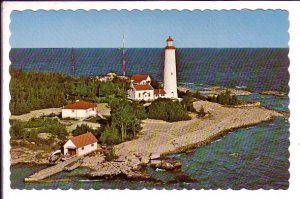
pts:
pixel 170 43
pixel 170 39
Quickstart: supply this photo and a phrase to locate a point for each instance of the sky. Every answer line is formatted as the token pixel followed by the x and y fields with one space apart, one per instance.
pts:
pixel 149 29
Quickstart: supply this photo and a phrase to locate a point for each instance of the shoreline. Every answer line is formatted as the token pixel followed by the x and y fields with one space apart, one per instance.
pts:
pixel 139 173
pixel 162 138
pixel 183 149
pixel 212 139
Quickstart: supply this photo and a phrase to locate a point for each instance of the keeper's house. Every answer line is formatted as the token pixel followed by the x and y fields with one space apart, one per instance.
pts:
pixel 141 88
pixel 79 110
pixel 80 145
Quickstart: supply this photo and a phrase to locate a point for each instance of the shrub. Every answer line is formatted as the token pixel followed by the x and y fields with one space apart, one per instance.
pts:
pixel 110 135
pixel 111 155
pixel 30 129
pixel 225 98
pixel 82 129
pixel 167 110
pixel 201 112
pixel 187 103
pixel 17 130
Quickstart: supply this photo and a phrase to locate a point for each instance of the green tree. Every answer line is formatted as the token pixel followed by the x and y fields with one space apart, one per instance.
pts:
pixel 168 110
pixel 110 135
pixel 187 103
pixel 17 130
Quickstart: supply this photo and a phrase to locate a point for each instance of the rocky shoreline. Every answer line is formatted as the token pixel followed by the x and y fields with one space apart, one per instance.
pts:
pixel 215 90
pixel 157 140
pixel 275 93
pixel 23 155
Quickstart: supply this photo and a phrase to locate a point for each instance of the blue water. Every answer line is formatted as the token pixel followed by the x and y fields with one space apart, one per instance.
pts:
pixel 252 158
pixel 257 69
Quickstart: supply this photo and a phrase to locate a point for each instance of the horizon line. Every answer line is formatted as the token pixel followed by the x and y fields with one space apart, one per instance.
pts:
pixel 138 47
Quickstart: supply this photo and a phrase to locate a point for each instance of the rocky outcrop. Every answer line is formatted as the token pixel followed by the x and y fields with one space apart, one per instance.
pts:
pixel 25 155
pixel 166 164
pixel 275 93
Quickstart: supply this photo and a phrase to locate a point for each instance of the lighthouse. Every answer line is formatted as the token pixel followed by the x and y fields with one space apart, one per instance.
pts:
pixel 170 77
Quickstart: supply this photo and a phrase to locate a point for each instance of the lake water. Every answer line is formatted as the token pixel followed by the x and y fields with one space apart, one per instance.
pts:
pixel 257 69
pixel 252 158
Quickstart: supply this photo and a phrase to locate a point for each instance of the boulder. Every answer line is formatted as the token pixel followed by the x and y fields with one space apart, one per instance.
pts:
pixel 167 164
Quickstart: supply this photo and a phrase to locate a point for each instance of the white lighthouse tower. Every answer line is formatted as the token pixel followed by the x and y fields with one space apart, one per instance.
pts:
pixel 170 77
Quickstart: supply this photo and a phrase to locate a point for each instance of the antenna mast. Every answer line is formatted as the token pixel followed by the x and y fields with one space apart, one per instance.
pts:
pixel 123 58
pixel 73 62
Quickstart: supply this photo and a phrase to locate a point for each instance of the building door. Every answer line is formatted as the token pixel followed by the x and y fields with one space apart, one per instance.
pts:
pixel 72 152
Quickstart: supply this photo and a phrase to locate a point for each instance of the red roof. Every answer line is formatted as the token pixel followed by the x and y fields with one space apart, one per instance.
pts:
pixel 80 105
pixel 139 78
pixel 143 87
pixel 159 91
pixel 170 39
pixel 84 139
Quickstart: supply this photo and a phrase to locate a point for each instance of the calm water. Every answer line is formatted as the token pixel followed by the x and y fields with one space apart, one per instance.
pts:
pixel 257 69
pixel 254 157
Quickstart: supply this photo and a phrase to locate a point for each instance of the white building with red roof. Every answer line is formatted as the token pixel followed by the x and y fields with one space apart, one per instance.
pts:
pixel 79 110
pixel 141 89
pixel 159 93
pixel 141 92
pixel 80 145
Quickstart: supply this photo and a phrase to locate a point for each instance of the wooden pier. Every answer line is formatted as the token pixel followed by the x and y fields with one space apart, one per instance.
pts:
pixel 40 175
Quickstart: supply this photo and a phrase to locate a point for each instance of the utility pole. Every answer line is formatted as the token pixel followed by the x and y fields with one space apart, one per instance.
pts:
pixel 123 58
pixel 73 62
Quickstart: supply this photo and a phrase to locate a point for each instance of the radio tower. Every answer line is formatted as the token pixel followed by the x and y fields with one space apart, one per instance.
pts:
pixel 123 58
pixel 73 62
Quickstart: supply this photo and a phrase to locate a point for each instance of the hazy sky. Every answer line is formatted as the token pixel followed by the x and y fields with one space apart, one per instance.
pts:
pixel 98 29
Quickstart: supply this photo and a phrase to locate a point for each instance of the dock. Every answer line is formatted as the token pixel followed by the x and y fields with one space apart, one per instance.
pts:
pixel 45 173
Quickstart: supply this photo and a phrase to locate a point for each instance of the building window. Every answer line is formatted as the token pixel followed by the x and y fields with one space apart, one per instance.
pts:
pixel 73 110
pixel 92 144
pixel 82 148
pixel 139 94
pixel 171 73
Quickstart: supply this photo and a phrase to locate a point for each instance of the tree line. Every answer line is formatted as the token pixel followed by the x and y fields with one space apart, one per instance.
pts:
pixel 31 90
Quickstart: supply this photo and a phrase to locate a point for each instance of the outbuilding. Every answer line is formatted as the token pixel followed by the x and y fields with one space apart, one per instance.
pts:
pixel 80 145
pixel 79 110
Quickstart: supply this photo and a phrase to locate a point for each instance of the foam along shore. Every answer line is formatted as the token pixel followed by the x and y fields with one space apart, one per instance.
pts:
pixel 159 137
pixel 215 90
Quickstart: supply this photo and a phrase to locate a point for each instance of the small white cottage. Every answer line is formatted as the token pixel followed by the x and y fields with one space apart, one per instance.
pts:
pixel 80 145
pixel 79 110
pixel 141 92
